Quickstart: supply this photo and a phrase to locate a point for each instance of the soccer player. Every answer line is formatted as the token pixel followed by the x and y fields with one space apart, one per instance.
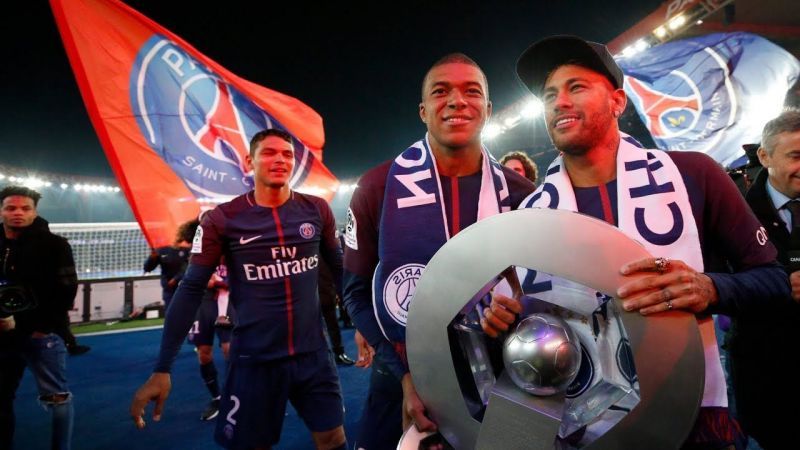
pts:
pixel 402 212
pixel 272 239
pixel 213 318
pixel 172 259
pixel 680 205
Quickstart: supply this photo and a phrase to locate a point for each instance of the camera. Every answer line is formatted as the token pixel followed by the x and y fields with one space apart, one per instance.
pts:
pixel 14 298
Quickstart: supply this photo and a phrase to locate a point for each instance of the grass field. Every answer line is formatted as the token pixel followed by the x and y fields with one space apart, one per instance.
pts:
pixel 115 325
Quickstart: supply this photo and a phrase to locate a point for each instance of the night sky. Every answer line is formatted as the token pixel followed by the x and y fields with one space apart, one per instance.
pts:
pixel 360 67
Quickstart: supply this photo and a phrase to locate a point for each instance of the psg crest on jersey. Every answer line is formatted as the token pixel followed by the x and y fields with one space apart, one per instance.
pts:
pixel 307 230
pixel 198 124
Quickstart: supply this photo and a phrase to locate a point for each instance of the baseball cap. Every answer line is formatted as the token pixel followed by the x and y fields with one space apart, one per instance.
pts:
pixel 543 56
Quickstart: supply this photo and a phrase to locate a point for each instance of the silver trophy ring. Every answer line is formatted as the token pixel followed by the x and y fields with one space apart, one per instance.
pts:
pixel 669 305
pixel 662 265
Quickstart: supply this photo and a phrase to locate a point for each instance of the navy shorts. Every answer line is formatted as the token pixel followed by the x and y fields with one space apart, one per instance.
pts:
pixel 203 329
pixel 254 403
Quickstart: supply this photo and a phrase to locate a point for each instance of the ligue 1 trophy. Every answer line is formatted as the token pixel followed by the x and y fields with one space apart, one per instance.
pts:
pixel 576 371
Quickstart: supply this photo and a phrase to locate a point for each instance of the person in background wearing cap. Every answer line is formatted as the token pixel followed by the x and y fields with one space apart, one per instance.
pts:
pixel 760 342
pixel 402 212
pixel 681 206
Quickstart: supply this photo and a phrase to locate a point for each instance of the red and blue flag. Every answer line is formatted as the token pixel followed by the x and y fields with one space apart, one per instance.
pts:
pixel 175 125
pixel 711 93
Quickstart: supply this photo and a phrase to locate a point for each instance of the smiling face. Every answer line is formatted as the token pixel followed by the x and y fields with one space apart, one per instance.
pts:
pixel 455 105
pixel 783 163
pixel 581 108
pixel 272 162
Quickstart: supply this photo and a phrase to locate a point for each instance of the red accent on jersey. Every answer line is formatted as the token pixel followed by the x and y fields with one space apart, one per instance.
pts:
pixel 608 214
pixel 287 284
pixel 455 201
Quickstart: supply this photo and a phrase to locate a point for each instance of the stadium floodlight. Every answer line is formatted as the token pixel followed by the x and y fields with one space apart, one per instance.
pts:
pixel 641 45
pixel 677 22
pixel 31 182
pixel 491 130
pixel 511 121
pixel 533 108
pixel 313 190
pixel 2 176
pixel 64 186
pixel 660 32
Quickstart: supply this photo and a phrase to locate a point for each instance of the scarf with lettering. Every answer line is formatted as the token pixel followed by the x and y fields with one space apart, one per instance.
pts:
pixel 413 226
pixel 653 209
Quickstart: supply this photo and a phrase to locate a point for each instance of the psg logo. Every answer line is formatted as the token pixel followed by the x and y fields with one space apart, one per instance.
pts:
pixel 307 230
pixel 197 123
pixel 399 290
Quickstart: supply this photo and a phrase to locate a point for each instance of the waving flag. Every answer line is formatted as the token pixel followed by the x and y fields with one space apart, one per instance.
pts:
pixel 175 125
pixel 711 93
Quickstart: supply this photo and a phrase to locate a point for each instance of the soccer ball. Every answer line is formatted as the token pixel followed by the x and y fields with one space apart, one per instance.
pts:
pixel 542 354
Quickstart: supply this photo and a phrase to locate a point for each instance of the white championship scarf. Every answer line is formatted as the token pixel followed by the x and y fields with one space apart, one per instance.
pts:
pixel 653 208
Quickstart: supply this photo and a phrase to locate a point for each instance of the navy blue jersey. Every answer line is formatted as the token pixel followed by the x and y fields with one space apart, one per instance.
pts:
pixel 173 262
pixel 460 196
pixel 272 256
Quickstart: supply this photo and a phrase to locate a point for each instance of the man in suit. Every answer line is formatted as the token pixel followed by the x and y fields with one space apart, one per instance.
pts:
pixel 762 345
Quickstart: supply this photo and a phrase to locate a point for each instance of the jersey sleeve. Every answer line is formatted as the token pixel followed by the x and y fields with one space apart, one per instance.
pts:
pixel 152 261
pixel 360 260
pixel 329 247
pixel 181 313
pixel 207 244
pixel 731 232
pixel 205 256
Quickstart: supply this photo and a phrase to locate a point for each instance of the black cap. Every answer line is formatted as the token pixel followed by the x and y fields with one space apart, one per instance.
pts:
pixel 542 57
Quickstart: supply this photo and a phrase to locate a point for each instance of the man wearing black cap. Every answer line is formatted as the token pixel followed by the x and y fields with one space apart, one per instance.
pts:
pixel 760 343
pixel 679 205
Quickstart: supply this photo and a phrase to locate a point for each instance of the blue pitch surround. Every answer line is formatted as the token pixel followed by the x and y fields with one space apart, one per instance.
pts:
pixel 103 382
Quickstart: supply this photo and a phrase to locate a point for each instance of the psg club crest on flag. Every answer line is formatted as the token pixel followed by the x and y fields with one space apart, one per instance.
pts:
pixel 199 124
pixel 710 93
pixel 174 124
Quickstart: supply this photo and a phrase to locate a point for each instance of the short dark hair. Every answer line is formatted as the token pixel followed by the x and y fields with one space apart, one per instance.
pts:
pixel 261 135
pixel 531 171
pixel 22 191
pixel 455 58
pixel 787 122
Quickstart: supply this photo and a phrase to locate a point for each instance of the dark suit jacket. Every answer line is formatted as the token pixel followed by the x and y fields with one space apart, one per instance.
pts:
pixel 763 346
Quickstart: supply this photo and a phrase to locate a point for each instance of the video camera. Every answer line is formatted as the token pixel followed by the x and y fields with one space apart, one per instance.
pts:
pixel 14 298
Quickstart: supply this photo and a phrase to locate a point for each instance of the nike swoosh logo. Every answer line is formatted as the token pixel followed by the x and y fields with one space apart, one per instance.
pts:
pixel 243 241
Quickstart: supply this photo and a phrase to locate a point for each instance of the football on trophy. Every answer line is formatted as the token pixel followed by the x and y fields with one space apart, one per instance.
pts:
pixel 542 354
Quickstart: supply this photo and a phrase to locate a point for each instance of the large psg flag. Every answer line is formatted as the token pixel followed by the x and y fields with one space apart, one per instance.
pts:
pixel 174 124
pixel 711 93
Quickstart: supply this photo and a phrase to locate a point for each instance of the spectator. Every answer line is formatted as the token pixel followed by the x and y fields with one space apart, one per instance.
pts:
pixel 520 162
pixel 38 287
